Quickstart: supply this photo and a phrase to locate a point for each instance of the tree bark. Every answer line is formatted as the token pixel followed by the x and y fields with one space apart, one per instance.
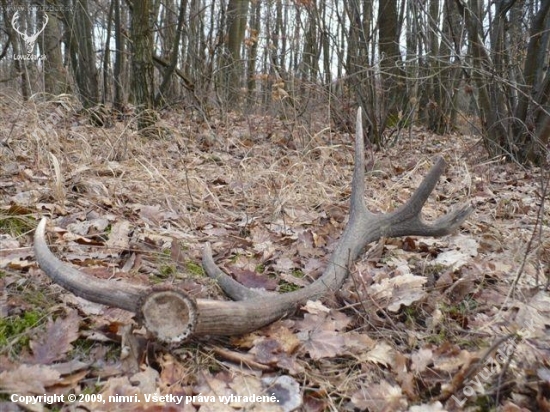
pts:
pixel 142 63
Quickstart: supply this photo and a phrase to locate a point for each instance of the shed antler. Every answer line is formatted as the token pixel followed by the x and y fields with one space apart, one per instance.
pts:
pixel 173 316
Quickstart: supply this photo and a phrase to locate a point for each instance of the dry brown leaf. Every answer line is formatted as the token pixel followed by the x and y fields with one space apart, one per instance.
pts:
pixel 400 290
pixel 428 407
pixel 253 280
pixel 56 340
pixel 382 354
pixel 288 340
pixel 315 307
pixel 286 390
pixel 151 214
pixel 382 397
pixel 29 379
pixel 534 316
pixel 452 362
pixel 358 343
pixel 421 359
pixel 284 264
pixel 172 371
pixel 321 343
pixel 462 249
pixel 119 235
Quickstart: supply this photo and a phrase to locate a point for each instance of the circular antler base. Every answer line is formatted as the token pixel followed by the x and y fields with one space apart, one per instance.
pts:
pixel 169 314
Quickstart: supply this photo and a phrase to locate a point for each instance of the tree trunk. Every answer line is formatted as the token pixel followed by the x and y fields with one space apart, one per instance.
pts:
pixel 82 53
pixel 119 61
pixel 253 54
pixel 171 53
pixel 142 63
pixel 237 11
pixel 393 82
pixel 55 79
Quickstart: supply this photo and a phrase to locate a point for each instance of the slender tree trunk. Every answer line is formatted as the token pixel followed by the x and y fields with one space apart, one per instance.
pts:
pixel 107 57
pixel 171 52
pixel 142 62
pixel 54 73
pixel 82 53
pixel 393 82
pixel 253 53
pixel 237 11
pixel 119 101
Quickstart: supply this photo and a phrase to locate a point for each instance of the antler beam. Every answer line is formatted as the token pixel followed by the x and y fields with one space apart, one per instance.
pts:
pixel 173 316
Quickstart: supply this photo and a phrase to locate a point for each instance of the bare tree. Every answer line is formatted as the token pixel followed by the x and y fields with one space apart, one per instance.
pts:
pixel 513 95
pixel 233 69
pixel 118 100
pixel 142 62
pixel 82 53
pixel 55 76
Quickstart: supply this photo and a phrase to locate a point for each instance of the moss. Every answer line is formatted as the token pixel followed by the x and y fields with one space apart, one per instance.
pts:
pixel 14 329
pixel 285 287
pixel 92 389
pixel 485 403
pixel 297 273
pixel 167 270
pixel 194 268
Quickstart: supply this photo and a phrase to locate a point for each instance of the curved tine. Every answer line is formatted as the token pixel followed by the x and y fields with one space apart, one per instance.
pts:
pixel 112 293
pixel 230 286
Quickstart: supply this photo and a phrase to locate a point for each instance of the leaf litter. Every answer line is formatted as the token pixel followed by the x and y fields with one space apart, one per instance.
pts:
pixel 421 324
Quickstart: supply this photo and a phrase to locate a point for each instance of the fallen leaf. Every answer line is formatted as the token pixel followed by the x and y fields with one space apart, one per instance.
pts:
pixel 421 359
pixel 382 397
pixel 119 236
pixel 464 248
pixel 314 307
pixel 534 315
pixel 428 407
pixel 322 343
pixel 29 379
pixel 382 354
pixel 400 290
pixel 56 341
pixel 286 390
pixel 253 280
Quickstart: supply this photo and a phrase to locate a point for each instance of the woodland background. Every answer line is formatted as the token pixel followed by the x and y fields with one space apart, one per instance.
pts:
pixel 153 126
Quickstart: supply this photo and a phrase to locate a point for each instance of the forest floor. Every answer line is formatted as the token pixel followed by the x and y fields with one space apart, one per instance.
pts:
pixel 454 323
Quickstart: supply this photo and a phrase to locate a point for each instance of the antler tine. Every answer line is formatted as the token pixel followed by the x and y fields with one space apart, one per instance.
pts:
pixel 117 294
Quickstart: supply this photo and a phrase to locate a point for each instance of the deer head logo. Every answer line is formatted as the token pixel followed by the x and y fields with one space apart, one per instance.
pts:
pixel 29 40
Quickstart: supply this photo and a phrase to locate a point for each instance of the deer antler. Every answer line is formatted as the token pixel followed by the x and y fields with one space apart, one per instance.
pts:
pixel 173 316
